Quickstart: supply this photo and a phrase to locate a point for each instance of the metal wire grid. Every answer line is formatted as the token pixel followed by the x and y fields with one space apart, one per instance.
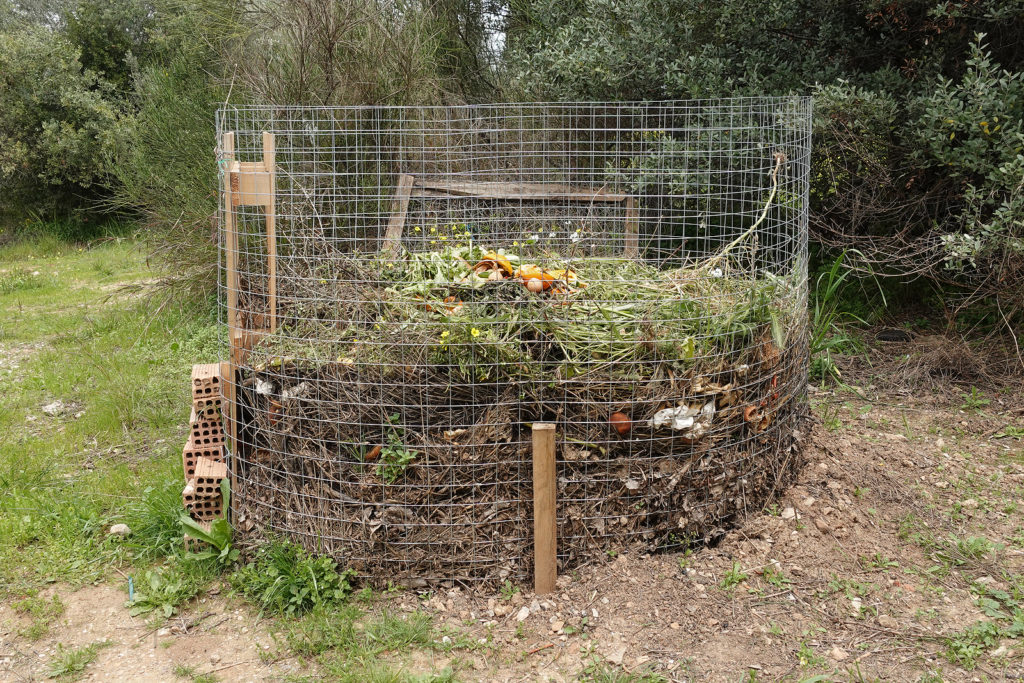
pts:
pixel 386 419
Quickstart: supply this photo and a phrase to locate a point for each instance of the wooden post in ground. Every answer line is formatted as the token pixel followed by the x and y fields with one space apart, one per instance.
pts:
pixel 545 529
pixel 232 284
pixel 268 164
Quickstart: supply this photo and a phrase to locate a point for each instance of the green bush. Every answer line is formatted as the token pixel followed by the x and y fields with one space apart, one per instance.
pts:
pixel 58 123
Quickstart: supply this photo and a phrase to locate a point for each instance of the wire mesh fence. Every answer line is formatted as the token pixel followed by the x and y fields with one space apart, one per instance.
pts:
pixel 407 290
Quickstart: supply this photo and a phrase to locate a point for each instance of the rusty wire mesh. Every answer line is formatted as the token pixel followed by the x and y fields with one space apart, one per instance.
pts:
pixel 445 276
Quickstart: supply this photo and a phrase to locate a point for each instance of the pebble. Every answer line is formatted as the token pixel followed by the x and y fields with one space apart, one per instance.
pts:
pixel 822 525
pixel 940 444
pixel 214 658
pixel 523 613
pixel 788 513
pixel 885 621
pixel 119 530
pixel 838 654
pixel 55 409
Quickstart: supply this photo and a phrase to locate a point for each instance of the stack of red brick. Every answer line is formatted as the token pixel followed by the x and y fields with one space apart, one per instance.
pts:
pixel 203 457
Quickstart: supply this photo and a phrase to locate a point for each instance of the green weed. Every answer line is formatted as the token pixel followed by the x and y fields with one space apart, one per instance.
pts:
pixel 164 590
pixel 974 401
pixel 283 579
pixel 733 577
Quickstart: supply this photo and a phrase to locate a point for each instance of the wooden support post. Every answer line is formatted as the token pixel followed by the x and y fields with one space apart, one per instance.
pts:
pixel 392 245
pixel 268 164
pixel 231 261
pixel 545 529
pixel 631 245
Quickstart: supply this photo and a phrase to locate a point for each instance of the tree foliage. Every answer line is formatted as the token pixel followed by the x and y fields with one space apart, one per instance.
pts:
pixel 917 147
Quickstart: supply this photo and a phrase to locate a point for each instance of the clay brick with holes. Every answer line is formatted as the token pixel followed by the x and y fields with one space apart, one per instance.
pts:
pixel 203 509
pixel 194 544
pixel 207 431
pixel 192 452
pixel 206 389
pixel 202 493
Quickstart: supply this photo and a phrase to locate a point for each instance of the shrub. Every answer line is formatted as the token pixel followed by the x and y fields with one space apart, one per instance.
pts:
pixel 58 123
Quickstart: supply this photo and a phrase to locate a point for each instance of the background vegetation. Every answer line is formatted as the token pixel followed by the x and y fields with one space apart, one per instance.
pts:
pixel 106 106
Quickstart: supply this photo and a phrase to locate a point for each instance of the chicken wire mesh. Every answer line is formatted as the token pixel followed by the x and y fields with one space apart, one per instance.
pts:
pixel 415 287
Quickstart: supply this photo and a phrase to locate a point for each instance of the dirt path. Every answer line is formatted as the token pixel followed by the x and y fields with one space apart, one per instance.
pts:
pixel 215 636
pixel 902 535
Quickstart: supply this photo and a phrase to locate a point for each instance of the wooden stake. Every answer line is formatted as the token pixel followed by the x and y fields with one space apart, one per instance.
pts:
pixel 631 246
pixel 231 245
pixel 545 530
pixel 392 245
pixel 268 163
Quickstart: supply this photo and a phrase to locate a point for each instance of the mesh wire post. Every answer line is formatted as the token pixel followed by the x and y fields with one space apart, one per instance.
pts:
pixel 406 290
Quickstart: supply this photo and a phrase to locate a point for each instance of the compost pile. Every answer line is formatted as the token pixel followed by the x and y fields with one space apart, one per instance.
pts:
pixel 387 422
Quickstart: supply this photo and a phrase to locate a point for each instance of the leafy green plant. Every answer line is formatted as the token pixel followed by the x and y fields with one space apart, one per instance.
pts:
pixel 733 577
pixel 162 591
pixel 69 663
pixel 218 536
pixel 284 579
pixel 808 658
pixel 508 590
pixel 774 576
pixel 966 646
pixel 974 401
pixel 394 458
pixel 878 561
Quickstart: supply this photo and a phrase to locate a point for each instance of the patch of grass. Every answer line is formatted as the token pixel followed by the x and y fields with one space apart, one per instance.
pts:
pixel 41 612
pixel 878 561
pixel 123 370
pixel 351 646
pixel 69 663
pixel 601 672
pixel 284 579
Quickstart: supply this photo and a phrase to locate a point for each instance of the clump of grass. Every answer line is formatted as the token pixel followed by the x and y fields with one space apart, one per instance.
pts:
pixel 69 663
pixel 601 672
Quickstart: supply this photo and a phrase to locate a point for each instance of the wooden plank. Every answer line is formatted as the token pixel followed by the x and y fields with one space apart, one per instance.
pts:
pixel 502 190
pixel 231 245
pixel 631 246
pixel 268 164
pixel 545 529
pixel 250 184
pixel 399 208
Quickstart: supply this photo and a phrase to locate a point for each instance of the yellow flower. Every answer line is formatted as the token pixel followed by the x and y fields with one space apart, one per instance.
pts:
pixel 416 229
pixel 445 334
pixel 376 326
pixel 475 332
pixel 433 230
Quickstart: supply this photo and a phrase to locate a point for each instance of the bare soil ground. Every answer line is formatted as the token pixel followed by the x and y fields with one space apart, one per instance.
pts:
pixel 902 534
